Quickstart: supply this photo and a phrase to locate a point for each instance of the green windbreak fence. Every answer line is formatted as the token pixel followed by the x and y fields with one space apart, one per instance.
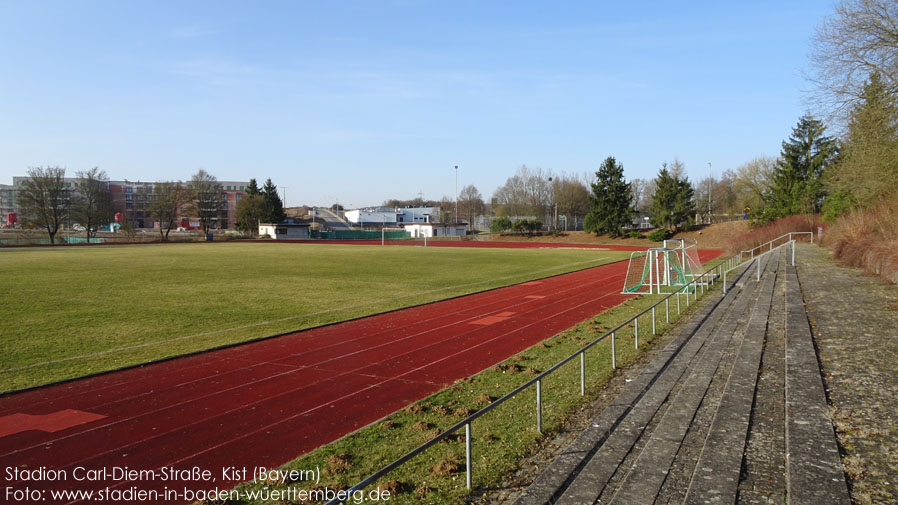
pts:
pixel 358 234
pixel 45 240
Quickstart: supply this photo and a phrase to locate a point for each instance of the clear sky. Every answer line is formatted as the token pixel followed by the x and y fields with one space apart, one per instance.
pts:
pixel 360 101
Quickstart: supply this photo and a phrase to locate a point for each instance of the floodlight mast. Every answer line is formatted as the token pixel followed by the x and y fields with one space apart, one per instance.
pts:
pixel 710 177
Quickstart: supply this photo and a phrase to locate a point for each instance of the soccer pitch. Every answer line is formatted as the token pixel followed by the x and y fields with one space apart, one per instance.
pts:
pixel 73 311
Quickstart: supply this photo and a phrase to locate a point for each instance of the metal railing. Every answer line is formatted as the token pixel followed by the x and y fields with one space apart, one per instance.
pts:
pixel 703 282
pixel 757 259
pixel 769 246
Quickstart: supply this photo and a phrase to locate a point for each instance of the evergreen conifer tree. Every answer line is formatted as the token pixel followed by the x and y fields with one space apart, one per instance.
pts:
pixel 611 198
pixel 797 183
pixel 274 207
pixel 253 188
pixel 672 202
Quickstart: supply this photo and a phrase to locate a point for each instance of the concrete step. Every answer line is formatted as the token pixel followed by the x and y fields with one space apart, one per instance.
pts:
pixel 647 474
pixel 615 429
pixel 763 477
pixel 813 467
pixel 716 475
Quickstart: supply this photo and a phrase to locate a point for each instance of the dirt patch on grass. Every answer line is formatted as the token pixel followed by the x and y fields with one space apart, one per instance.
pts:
pixel 421 426
pixel 445 467
pixel 414 409
pixel 441 410
pixel 507 368
pixel 338 463
pixel 462 412
pixel 393 486
pixel 483 399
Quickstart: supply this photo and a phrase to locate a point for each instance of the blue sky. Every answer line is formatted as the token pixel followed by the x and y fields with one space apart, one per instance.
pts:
pixel 369 100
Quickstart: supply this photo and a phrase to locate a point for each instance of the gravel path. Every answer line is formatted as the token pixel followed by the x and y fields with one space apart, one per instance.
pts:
pixel 855 322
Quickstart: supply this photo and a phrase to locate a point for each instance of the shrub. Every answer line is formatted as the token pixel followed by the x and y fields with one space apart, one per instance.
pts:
pixel 500 224
pixel 635 234
pixel 868 238
pixel 763 234
pixel 659 235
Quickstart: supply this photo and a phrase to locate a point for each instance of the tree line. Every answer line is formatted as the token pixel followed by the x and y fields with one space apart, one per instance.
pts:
pixel 47 201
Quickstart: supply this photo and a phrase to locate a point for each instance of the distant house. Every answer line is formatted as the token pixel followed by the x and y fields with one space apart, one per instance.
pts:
pixel 421 230
pixel 380 216
pixel 284 231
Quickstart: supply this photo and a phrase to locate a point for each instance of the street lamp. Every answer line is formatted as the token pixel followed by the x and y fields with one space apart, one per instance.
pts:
pixel 456 194
pixel 710 176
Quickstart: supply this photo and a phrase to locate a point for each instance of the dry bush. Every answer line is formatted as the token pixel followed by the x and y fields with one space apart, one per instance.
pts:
pixel 868 238
pixel 763 234
pixel 388 425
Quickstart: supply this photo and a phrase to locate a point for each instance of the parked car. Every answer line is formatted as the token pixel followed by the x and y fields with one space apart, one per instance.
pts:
pixel 78 227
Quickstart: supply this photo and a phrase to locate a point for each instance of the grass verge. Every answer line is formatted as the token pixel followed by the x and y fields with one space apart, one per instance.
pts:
pixel 501 439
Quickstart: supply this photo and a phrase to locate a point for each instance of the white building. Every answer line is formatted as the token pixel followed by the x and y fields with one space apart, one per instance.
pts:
pixel 284 231
pixel 421 230
pixel 418 215
pixel 376 216
pixel 372 216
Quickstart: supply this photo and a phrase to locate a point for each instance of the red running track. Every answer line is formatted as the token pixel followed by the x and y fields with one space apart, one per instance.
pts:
pixel 265 403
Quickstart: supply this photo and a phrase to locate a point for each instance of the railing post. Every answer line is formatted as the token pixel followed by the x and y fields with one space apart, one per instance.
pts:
pixel 653 320
pixel 759 269
pixel 793 253
pixel 636 331
pixel 724 282
pixel 667 309
pixel 539 406
pixel 582 373
pixel 678 303
pixel 468 469
pixel 613 354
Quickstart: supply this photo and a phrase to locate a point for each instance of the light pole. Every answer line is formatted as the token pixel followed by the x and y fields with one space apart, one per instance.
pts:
pixel 456 194
pixel 710 176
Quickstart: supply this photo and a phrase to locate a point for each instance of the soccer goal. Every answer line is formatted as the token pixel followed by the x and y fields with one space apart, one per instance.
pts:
pixel 657 270
pixel 687 249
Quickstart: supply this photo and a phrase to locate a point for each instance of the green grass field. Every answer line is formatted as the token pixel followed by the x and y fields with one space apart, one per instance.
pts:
pixel 68 312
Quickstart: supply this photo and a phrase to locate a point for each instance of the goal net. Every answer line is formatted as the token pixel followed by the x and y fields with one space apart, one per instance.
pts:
pixel 638 271
pixel 657 270
pixel 687 249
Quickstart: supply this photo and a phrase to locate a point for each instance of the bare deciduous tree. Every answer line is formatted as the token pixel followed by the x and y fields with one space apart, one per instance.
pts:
pixel 860 39
pixel 169 200
pixel 206 194
pixel 470 203
pixel 753 181
pixel 45 199
pixel 572 198
pixel 92 203
pixel 527 193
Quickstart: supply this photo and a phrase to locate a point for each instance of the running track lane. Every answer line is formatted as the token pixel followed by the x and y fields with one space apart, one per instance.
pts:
pixel 264 403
